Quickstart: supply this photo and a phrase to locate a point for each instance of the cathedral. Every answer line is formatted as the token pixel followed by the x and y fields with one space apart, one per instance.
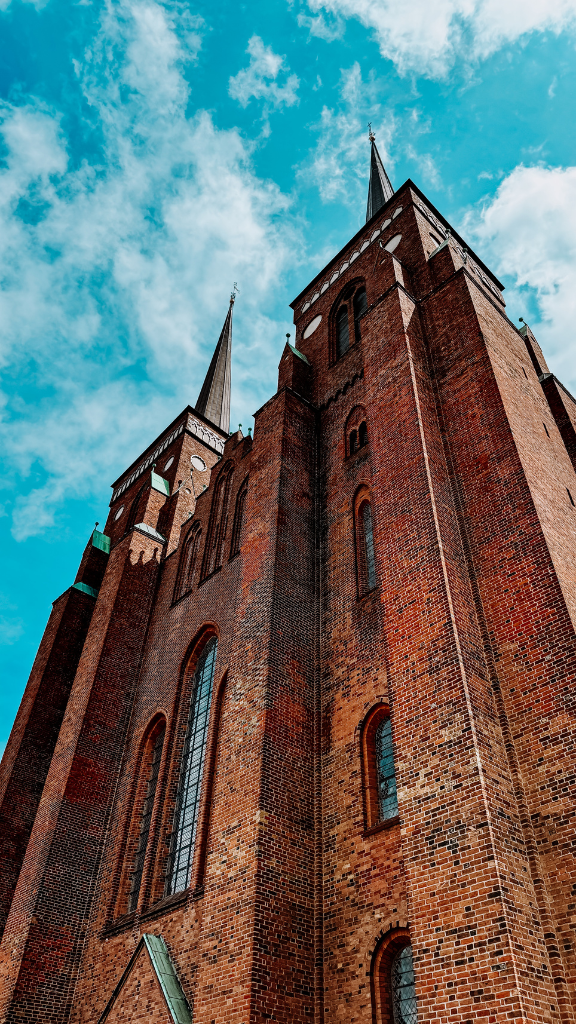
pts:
pixel 298 744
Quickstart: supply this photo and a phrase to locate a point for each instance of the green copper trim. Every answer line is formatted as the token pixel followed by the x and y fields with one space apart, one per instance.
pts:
pixel 85 589
pixel 167 979
pixel 166 974
pixel 101 541
pixel 159 483
pixel 299 354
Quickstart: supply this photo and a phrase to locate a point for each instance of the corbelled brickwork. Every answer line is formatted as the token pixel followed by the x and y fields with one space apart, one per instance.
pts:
pixel 444 422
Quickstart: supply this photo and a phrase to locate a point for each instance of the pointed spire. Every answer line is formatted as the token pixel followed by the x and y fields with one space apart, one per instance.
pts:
pixel 214 398
pixel 379 190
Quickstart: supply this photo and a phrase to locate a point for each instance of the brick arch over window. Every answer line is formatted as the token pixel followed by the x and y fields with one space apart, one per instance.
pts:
pixel 392 979
pixel 193 767
pixel 139 844
pixel 378 768
pixel 356 431
pixel 218 523
pixel 363 515
pixel 344 323
pixel 188 561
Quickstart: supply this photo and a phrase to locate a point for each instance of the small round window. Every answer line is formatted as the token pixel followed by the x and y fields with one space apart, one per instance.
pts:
pixel 169 463
pixel 393 243
pixel 198 463
pixel 118 513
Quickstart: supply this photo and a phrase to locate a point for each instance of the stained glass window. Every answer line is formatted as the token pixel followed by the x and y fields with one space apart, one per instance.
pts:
pixel 385 774
pixel 190 783
pixel 403 990
pixel 146 820
pixel 369 546
pixel 342 334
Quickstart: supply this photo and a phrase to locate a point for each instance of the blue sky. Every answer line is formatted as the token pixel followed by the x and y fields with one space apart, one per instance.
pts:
pixel 152 153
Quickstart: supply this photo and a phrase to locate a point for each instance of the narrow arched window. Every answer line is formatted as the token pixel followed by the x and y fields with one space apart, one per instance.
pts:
pixel 191 771
pixel 238 520
pixel 188 562
pixel 342 333
pixel 218 523
pixel 360 307
pixel 385 772
pixel 402 988
pixel 353 441
pixel 367 539
pixel 362 435
pixel 153 767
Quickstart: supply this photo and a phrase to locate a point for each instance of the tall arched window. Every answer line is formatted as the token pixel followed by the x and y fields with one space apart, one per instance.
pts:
pixel 188 561
pixel 402 988
pixel 238 520
pixel 367 560
pixel 191 771
pixel 218 522
pixel 362 435
pixel 151 764
pixel 342 332
pixel 379 773
pixel 385 772
pixel 393 983
pixel 360 307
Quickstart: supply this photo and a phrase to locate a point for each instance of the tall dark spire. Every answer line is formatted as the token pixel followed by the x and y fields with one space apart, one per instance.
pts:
pixel 379 190
pixel 214 398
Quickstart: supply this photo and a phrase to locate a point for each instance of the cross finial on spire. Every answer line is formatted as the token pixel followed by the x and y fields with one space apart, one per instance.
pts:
pixel 380 189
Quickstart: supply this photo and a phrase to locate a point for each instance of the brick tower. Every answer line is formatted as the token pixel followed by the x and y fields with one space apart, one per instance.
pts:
pixel 298 744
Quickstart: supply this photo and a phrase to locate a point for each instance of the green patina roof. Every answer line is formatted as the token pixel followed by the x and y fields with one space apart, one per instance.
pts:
pixel 166 974
pixel 85 589
pixel 101 541
pixel 299 354
pixel 159 483
pixel 167 979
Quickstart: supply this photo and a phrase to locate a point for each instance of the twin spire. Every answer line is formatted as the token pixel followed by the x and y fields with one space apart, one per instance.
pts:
pixel 379 190
pixel 214 399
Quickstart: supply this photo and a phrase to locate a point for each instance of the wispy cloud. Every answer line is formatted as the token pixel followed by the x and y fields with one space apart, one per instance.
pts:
pixel 260 79
pixel 527 232
pixel 116 271
pixel 428 38
pixel 338 164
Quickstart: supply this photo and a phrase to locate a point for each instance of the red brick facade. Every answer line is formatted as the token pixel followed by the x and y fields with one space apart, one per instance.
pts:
pixel 397 544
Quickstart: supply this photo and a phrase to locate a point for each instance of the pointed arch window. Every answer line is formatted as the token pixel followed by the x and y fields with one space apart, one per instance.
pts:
pixel 238 520
pixel 360 307
pixel 191 771
pixel 393 981
pixel 379 772
pixel 218 523
pixel 152 765
pixel 342 332
pixel 188 562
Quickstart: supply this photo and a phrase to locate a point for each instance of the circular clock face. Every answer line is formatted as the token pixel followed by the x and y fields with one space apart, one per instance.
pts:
pixel 198 463
pixel 119 513
pixel 312 326
pixel 169 463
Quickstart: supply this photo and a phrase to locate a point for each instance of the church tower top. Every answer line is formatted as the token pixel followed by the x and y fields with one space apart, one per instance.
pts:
pixel 214 398
pixel 380 188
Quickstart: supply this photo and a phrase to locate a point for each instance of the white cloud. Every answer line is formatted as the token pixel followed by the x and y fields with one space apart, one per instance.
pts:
pixel 338 165
pixel 116 273
pixel 259 79
pixel 427 38
pixel 528 233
